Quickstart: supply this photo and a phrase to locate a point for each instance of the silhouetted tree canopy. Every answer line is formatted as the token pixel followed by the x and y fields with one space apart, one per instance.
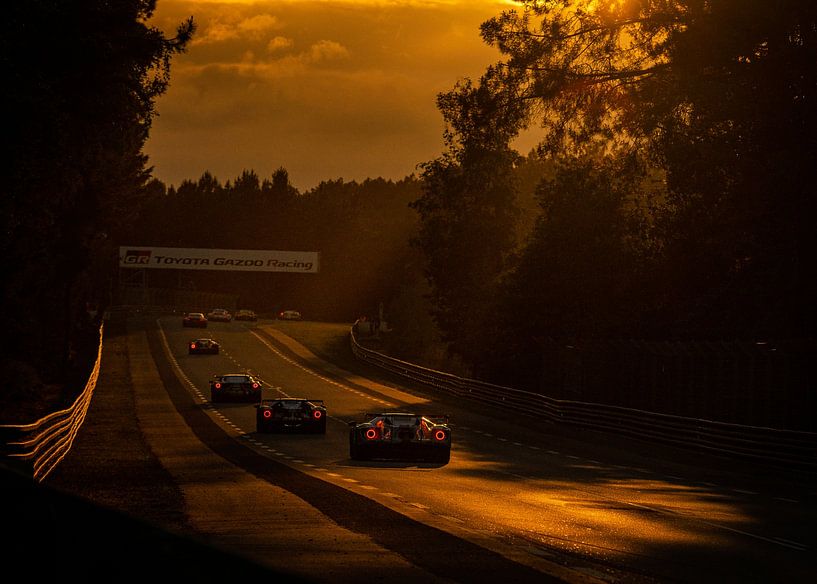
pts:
pixel 361 231
pixel 80 79
pixel 709 230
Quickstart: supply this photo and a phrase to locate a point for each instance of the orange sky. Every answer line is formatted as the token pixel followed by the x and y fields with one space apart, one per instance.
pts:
pixel 327 89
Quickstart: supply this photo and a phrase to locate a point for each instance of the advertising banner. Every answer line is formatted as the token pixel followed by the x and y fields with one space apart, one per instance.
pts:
pixel 248 260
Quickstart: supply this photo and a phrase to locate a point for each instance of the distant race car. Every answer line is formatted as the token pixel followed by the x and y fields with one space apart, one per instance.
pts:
pixel 195 319
pixel 401 435
pixel 291 414
pixel 245 314
pixel 219 315
pixel 289 315
pixel 234 387
pixel 203 347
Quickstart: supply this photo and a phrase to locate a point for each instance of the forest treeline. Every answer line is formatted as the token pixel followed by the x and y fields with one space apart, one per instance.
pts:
pixel 682 206
pixel 671 197
pixel 361 231
pixel 80 80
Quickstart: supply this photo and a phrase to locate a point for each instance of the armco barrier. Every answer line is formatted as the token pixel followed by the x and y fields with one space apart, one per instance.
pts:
pixel 37 448
pixel 781 447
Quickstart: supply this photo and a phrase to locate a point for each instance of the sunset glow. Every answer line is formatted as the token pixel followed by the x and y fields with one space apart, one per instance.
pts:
pixel 330 89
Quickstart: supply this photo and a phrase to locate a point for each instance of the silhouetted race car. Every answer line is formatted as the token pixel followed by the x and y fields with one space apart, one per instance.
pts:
pixel 219 315
pixel 245 314
pixel 194 319
pixel 235 387
pixel 401 435
pixel 289 315
pixel 291 414
pixel 203 347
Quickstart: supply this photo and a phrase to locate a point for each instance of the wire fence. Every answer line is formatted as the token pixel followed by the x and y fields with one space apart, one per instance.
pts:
pixel 37 448
pixel 773 445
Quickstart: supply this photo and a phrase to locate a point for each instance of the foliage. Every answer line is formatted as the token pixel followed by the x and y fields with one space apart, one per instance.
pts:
pixel 81 82
pixel 361 231
pixel 579 274
pixel 467 216
pixel 678 138
pixel 720 96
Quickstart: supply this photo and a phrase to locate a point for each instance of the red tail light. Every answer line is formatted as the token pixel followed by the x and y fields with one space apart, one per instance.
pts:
pixel 267 414
pixel 439 435
pixel 255 386
pixel 218 385
pixel 317 414
pixel 192 345
pixel 371 433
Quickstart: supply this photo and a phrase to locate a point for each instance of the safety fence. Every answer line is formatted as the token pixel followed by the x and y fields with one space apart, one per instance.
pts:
pixel 37 448
pixel 783 447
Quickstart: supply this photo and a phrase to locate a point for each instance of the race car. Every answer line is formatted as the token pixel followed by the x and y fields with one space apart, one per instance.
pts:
pixel 401 435
pixel 194 319
pixel 291 414
pixel 245 314
pixel 219 315
pixel 235 387
pixel 289 315
pixel 203 347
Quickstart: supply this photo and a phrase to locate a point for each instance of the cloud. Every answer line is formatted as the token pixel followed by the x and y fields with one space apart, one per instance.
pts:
pixel 279 43
pixel 258 26
pixel 327 51
pixel 325 89
pixel 220 28
pixel 214 32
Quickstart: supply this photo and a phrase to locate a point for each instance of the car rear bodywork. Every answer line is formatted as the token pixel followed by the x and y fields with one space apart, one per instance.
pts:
pixel 195 320
pixel 235 387
pixel 289 315
pixel 203 347
pixel 219 315
pixel 247 315
pixel 291 415
pixel 400 435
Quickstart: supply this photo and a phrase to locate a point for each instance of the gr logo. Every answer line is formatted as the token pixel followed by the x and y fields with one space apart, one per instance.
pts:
pixel 136 256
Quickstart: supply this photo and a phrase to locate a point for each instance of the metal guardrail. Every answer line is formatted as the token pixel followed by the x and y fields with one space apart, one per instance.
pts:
pixel 785 447
pixel 39 447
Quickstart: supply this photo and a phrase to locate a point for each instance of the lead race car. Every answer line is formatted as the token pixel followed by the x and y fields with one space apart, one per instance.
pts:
pixel 291 414
pixel 399 436
pixel 241 387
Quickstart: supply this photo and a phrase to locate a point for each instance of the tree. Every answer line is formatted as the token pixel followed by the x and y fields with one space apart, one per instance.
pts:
pixel 279 192
pixel 467 215
pixel 82 79
pixel 720 96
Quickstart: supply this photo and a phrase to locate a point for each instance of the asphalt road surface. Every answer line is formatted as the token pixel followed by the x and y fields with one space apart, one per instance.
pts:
pixel 521 499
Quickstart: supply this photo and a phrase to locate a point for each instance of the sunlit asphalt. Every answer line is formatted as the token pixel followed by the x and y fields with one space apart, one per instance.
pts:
pixel 612 509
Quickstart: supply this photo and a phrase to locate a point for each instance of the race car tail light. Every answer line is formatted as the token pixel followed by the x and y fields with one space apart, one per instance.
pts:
pixel 218 385
pixel 192 345
pixel 255 386
pixel 439 435
pixel 267 413
pixel 317 414
pixel 371 434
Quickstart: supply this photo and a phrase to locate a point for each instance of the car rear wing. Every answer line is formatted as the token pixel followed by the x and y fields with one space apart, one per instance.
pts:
pixel 436 418
pixel 275 399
